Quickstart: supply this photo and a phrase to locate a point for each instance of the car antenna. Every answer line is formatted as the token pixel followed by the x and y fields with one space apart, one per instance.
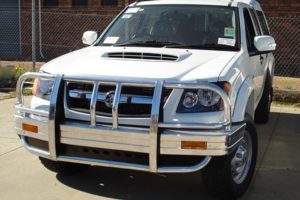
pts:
pixel 230 3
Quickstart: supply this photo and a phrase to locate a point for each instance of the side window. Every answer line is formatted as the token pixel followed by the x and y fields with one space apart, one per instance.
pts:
pixel 263 23
pixel 255 20
pixel 250 31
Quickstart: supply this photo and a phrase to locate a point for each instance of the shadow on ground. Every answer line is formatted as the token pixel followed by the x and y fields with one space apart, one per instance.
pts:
pixel 125 184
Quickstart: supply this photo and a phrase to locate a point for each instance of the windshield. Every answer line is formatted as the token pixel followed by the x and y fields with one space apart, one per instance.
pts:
pixel 175 26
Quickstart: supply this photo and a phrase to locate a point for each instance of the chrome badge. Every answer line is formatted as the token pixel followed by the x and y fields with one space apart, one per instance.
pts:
pixel 109 99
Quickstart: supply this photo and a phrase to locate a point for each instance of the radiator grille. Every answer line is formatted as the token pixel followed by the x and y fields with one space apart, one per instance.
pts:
pixel 134 101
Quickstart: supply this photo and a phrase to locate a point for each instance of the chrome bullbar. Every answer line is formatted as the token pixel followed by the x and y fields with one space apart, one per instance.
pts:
pixel 220 137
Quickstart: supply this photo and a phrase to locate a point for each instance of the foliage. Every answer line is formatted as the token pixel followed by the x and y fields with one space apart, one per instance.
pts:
pixel 18 71
pixel 27 91
pixel 10 74
pixel 6 72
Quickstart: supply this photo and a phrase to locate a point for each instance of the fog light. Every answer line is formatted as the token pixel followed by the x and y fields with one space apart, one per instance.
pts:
pixel 30 128
pixel 193 145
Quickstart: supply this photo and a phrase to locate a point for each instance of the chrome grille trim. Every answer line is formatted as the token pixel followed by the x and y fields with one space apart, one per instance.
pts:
pixel 115 106
pixel 108 81
pixel 93 103
pixel 124 98
pixel 171 85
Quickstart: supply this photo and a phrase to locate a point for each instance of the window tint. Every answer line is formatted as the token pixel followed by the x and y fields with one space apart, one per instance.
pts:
pixel 109 2
pixel 258 31
pixel 80 3
pixel 250 31
pixel 263 23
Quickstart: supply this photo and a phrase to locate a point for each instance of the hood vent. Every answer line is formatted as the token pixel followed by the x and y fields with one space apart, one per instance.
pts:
pixel 143 56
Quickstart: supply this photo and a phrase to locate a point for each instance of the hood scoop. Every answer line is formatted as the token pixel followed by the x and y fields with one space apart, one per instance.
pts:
pixel 141 56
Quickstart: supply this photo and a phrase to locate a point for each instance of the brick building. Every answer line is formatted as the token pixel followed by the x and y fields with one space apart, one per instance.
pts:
pixel 85 6
pixel 272 8
pixel 279 8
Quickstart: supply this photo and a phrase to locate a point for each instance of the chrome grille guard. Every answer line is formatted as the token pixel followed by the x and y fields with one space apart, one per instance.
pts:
pixel 154 120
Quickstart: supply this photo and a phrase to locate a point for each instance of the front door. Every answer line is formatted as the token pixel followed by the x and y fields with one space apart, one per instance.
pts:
pixel 257 61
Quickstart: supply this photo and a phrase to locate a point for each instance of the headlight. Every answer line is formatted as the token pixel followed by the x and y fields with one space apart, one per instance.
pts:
pixel 42 88
pixel 195 101
pixel 208 98
pixel 190 100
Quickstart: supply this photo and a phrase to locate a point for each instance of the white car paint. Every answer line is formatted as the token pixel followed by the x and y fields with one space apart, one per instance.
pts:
pixel 244 72
pixel 195 64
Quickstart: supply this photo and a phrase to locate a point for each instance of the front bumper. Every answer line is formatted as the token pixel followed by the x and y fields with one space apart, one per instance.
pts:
pixel 159 139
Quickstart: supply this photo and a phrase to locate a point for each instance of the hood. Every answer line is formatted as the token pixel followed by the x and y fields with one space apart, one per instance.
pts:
pixel 142 63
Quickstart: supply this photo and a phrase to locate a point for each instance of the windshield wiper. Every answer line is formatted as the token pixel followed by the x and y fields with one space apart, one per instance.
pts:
pixel 148 43
pixel 213 46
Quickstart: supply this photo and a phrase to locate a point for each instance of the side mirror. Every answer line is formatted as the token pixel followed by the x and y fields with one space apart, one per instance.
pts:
pixel 89 37
pixel 265 43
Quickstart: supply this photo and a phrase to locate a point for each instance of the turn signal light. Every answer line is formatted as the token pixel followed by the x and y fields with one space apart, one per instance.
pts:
pixel 227 87
pixel 193 145
pixel 30 128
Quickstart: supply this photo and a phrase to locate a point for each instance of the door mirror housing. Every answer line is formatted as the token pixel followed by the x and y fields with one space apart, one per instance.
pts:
pixel 89 37
pixel 265 44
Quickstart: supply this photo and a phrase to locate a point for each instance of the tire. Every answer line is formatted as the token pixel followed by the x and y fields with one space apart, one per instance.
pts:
pixel 64 168
pixel 262 111
pixel 220 177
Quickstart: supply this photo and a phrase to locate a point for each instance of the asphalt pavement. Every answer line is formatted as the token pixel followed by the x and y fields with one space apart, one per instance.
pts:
pixel 23 177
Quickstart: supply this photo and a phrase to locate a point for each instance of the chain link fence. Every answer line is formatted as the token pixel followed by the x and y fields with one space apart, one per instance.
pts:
pixel 9 33
pixel 286 31
pixel 60 32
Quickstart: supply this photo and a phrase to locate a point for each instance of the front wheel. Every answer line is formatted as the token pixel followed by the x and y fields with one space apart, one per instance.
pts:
pixel 228 177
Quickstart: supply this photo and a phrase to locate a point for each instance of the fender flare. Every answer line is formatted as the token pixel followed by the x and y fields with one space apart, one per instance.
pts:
pixel 244 103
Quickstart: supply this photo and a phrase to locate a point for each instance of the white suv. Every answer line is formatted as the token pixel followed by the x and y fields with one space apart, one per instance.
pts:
pixel 171 86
